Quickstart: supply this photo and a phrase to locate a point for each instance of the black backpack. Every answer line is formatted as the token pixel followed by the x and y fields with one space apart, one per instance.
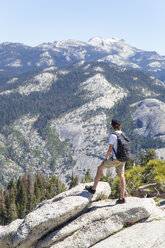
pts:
pixel 123 153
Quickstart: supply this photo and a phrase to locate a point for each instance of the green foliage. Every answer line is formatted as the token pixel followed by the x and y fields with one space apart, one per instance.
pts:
pixel 88 177
pixel 114 183
pixel 3 208
pixel 130 163
pixel 115 187
pixel 54 146
pixel 10 201
pixel 134 178
pixel 19 199
pixel 72 180
pixel 153 172
pixel 2 149
pixel 54 187
pixel 148 155
pixel 18 135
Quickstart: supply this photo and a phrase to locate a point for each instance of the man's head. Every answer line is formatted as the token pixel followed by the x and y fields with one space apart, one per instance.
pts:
pixel 116 124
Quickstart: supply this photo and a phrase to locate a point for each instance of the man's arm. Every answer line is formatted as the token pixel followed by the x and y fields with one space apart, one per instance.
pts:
pixel 109 152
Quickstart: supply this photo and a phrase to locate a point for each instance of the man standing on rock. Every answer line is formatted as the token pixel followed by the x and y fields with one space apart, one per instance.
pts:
pixel 112 161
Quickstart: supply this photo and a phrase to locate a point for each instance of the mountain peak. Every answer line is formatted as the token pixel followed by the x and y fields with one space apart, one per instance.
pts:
pixel 68 43
pixel 99 41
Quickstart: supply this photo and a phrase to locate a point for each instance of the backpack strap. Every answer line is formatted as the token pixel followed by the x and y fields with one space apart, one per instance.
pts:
pixel 114 151
pixel 117 134
pixel 113 147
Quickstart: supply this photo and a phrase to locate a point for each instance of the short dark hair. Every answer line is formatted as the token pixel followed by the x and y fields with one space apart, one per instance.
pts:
pixel 115 123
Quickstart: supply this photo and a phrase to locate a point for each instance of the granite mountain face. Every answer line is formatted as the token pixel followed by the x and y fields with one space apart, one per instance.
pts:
pixel 55 119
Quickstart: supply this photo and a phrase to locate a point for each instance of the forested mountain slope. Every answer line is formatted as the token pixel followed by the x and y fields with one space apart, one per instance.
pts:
pixel 56 120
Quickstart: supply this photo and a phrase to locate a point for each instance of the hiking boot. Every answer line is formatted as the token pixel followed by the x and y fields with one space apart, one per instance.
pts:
pixel 90 189
pixel 119 201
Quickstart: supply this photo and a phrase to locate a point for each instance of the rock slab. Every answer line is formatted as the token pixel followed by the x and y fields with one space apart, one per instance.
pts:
pixel 146 235
pixel 50 214
pixel 102 219
pixel 78 219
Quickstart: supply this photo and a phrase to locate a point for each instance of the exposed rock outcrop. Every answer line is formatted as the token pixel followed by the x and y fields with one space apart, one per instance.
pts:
pixel 7 233
pixel 50 214
pixel 77 219
pixel 150 118
pixel 102 219
pixel 144 235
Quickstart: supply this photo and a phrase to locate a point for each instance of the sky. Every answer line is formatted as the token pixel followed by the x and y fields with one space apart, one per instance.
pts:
pixel 141 23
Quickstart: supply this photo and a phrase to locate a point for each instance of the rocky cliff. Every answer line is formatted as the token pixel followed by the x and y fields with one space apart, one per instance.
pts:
pixel 78 219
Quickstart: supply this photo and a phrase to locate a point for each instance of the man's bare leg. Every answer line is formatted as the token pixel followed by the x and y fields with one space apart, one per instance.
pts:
pixel 122 186
pixel 98 175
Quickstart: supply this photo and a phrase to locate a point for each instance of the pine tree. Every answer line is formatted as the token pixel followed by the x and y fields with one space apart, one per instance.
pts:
pixel 32 202
pixel 73 180
pixel 40 188
pixel 60 187
pixel 22 199
pixel 37 192
pixel 54 187
pixel 11 201
pixel 11 185
pixel 88 177
pixel 41 183
pixel 11 206
pixel 3 208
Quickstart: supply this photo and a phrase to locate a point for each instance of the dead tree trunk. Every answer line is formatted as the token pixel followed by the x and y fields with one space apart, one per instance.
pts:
pixel 142 191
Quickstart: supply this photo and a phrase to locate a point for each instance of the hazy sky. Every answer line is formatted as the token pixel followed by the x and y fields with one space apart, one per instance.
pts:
pixel 141 23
